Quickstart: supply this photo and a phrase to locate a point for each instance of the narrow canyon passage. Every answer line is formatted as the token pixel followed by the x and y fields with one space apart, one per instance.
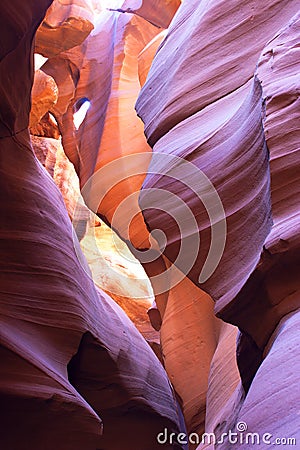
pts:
pixel 149 158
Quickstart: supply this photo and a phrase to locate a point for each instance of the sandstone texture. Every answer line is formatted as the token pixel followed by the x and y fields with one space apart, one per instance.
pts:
pixel 150 185
pixel 228 103
pixel 72 359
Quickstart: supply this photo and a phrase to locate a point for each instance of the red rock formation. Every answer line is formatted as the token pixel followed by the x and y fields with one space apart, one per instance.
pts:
pixel 213 118
pixel 50 153
pixel 123 131
pixel 146 56
pixel 127 141
pixel 73 361
pixel 112 89
pixel 43 97
pixel 157 12
pixel 189 337
pixel 62 29
pixel 80 74
pixel 118 273
pixel 15 80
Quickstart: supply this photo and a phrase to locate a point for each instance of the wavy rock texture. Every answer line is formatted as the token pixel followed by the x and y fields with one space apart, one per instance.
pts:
pixel 224 393
pixel 73 360
pixel 108 273
pixel 193 76
pixel 201 140
pixel 46 151
pixel 189 334
pixel 272 290
pixel 123 131
pixel 51 155
pixel 113 267
pixel 211 111
pixel 133 34
pixel 107 62
pixel 219 101
pixel 186 87
pixel 146 56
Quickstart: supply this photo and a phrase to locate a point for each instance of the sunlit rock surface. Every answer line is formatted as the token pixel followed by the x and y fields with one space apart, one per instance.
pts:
pixel 44 96
pixel 123 132
pixel 146 56
pixel 157 12
pixel 51 155
pixel 64 27
pixel 117 272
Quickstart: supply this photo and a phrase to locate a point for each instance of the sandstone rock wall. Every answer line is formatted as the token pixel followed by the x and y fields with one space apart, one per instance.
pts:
pixel 72 361
pixel 216 63
pixel 206 200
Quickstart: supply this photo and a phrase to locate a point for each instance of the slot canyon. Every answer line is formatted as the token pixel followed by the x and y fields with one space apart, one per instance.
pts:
pixel 150 227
